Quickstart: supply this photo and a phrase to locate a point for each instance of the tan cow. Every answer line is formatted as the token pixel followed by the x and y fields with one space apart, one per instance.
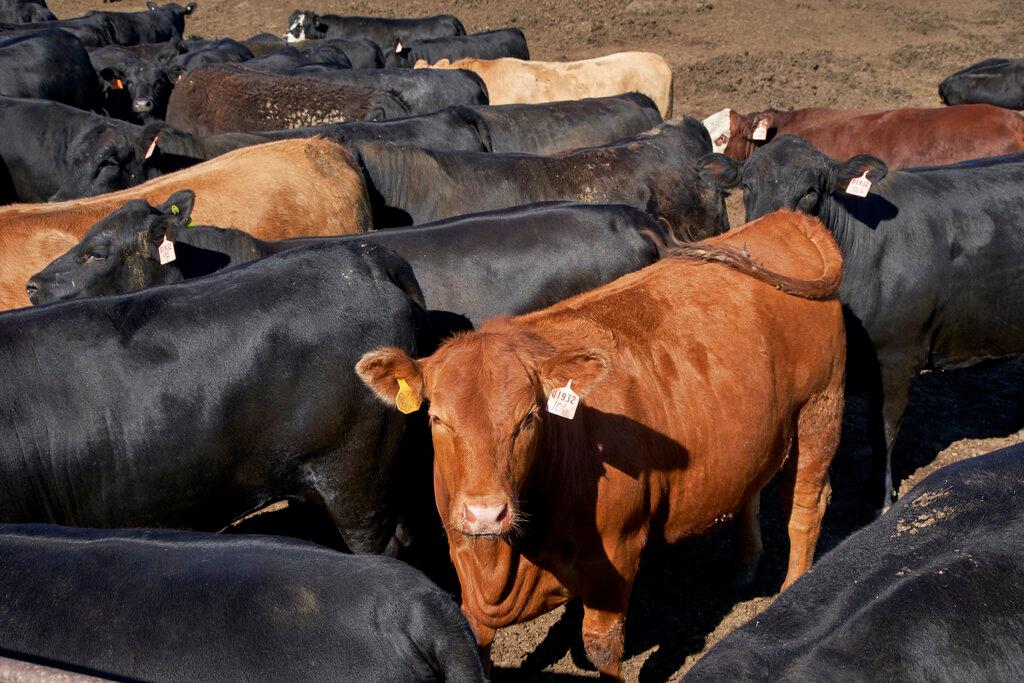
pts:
pixel 290 188
pixel 648 410
pixel 518 81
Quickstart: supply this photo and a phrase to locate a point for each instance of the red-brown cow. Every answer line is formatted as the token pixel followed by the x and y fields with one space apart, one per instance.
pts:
pixel 698 378
pixel 902 138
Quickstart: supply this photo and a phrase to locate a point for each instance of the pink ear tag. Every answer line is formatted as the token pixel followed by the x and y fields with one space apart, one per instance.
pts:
pixel 859 187
pixel 563 402
pixel 166 251
pixel 152 147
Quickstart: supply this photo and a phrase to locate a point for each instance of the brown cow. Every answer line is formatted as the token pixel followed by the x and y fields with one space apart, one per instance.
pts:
pixel 698 377
pixel 223 100
pixel 291 188
pixel 902 138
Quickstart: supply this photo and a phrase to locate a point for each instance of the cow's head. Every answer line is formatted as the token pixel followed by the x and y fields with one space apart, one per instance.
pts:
pixel 304 24
pixel 175 12
pixel 118 254
pixel 736 135
pixel 789 174
pixel 488 393
pixel 145 84
pixel 105 158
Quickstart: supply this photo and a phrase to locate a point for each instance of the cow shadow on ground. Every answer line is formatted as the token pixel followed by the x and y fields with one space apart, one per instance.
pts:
pixel 683 597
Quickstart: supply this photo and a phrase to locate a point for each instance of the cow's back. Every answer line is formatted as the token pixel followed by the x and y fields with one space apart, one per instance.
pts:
pixel 256 607
pixel 928 589
pixel 914 136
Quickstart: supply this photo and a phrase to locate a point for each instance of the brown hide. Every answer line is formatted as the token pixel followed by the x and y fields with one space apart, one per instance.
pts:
pixel 902 138
pixel 698 383
pixel 291 188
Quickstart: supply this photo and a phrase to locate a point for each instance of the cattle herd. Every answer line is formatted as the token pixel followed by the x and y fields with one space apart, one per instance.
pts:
pixel 487 317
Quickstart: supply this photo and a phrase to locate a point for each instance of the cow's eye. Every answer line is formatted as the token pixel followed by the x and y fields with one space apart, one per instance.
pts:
pixel 528 422
pixel 435 422
pixel 95 257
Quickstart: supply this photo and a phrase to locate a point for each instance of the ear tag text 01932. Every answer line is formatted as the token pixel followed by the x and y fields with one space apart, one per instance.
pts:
pixel 563 402
pixel 406 400
pixel 860 186
pixel 166 252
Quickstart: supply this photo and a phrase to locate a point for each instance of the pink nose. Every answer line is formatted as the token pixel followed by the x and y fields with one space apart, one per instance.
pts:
pixel 485 519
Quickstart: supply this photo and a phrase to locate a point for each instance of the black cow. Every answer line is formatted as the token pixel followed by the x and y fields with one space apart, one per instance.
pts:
pixel 473 267
pixel 25 12
pixel 49 65
pixel 285 60
pixel 928 592
pixel 208 52
pixel 442 88
pixel 931 264
pixel 190 406
pixel 993 81
pixel 303 25
pixel 560 126
pixel 96 29
pixel 50 151
pixel 654 171
pixel 137 81
pixel 503 42
pixel 361 53
pixel 525 128
pixel 160 605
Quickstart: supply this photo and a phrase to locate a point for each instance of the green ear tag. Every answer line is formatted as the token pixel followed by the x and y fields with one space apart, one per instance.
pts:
pixel 407 401
pixel 175 210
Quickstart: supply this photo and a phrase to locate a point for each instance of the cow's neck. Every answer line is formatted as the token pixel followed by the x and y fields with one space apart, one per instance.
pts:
pixel 508 582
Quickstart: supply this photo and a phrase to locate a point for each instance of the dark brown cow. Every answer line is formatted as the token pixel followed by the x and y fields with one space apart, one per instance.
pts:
pixel 903 138
pixel 698 378
pixel 220 100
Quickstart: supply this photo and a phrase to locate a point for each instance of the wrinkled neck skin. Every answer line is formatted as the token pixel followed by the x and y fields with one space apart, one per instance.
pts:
pixel 504 581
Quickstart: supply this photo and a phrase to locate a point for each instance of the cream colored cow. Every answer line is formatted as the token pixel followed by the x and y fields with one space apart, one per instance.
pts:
pixel 518 81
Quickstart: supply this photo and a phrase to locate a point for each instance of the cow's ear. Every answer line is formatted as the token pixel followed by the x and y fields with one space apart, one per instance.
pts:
pixel 720 170
pixel 176 214
pixel 152 6
pixel 765 121
pixel 395 377
pixel 583 367
pixel 113 77
pixel 855 167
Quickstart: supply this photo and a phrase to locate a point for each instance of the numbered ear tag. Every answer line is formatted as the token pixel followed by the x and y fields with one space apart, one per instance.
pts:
pixel 563 402
pixel 859 187
pixel 152 147
pixel 406 400
pixel 166 251
pixel 761 132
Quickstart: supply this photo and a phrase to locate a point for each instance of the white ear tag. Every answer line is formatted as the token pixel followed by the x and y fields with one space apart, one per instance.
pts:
pixel 152 148
pixel 398 47
pixel 761 132
pixel 859 187
pixel 563 402
pixel 166 251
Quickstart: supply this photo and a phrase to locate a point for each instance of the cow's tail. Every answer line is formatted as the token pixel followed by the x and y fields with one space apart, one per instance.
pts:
pixel 822 287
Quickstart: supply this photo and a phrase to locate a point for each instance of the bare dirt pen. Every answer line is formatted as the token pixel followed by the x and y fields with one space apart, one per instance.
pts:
pixel 747 55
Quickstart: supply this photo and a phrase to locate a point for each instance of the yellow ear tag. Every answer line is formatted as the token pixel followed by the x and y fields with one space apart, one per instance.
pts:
pixel 406 400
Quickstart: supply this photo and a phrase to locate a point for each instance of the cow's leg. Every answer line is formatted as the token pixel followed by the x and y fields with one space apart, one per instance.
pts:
pixel 886 405
pixel 748 546
pixel 804 481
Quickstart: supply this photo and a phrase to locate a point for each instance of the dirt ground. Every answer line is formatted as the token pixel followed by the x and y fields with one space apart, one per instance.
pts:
pixel 745 54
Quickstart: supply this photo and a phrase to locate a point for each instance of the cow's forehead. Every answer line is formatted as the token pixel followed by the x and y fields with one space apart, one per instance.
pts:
pixel 786 158
pixel 477 378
